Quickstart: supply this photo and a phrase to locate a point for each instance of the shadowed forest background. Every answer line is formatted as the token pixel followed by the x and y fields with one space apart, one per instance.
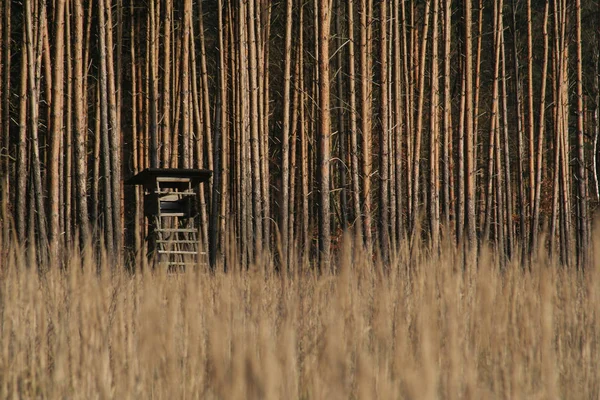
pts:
pixel 475 121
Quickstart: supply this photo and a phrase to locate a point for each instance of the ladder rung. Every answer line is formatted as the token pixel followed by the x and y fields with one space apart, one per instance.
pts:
pixel 176 241
pixel 173 214
pixel 184 193
pixel 177 263
pixel 177 252
pixel 183 230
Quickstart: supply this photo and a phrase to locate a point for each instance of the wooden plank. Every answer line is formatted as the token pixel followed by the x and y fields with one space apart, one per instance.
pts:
pixel 177 252
pixel 183 230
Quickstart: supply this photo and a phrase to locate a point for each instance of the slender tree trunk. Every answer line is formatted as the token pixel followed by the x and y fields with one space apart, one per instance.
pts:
pixel 541 133
pixel 98 140
pixel 34 123
pixel 80 127
pixel 419 128
pixel 523 201
pixel 508 198
pixel 341 117
pixel 303 141
pixel 365 75
pixel 5 90
pixel 384 228
pixel 254 131
pixel 285 140
pixel 115 135
pixel 434 185
pixel 21 198
pixel 470 164
pixel 57 129
pixel 399 126
pixel 106 159
pixel 581 170
pixel 353 123
pixel 153 98
pixel 493 149
pixel 166 92
pixel 476 92
pixel 67 142
pixel 136 111
pixel 530 110
pixel 447 119
pixel 205 91
pixel 324 136
pixel 184 161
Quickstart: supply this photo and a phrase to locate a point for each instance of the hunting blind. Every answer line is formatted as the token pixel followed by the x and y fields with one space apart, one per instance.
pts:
pixel 171 206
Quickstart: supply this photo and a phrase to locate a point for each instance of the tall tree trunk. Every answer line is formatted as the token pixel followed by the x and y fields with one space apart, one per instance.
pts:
pixel 166 92
pixel 470 164
pixel 530 110
pixel 384 228
pixel 447 119
pixel 353 123
pixel 508 198
pixel 494 128
pixel 434 185
pixel 324 136
pixel 285 140
pixel 115 135
pixel 582 234
pixel 153 83
pixel 106 159
pixel 57 129
pixel 303 141
pixel 399 126
pixel 184 161
pixel 254 131
pixel 80 128
pixel 67 142
pixel 419 128
pixel 524 203
pixel 341 118
pixel 365 76
pixel 34 123
pixel 541 133
pixel 5 89
pixel 21 198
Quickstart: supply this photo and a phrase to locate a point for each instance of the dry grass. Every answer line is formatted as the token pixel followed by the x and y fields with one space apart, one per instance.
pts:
pixel 422 329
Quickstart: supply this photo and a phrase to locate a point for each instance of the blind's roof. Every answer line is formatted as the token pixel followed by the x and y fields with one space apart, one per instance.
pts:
pixel 148 175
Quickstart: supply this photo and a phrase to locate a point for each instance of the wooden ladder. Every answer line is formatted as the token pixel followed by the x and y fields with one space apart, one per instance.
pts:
pixel 176 243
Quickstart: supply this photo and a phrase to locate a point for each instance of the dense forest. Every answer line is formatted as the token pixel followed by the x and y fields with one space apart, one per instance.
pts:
pixel 402 121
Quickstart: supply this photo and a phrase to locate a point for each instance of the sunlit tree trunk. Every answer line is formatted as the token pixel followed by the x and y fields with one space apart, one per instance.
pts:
pixel 447 118
pixel 54 174
pixel 353 123
pixel 365 77
pixel 80 127
pixel 22 159
pixel 324 136
pixel 470 161
pixel 34 123
pixel 384 228
pixel 419 127
pixel 285 140
pixel 106 159
pixel 541 132
pixel 434 184
pixel 582 220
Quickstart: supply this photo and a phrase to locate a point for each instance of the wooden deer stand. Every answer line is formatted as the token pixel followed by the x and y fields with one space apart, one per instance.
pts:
pixel 170 199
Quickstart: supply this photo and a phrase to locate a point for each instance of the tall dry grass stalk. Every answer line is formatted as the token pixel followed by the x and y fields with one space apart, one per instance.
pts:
pixel 413 329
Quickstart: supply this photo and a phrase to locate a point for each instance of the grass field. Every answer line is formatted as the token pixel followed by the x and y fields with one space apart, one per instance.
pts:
pixel 421 329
